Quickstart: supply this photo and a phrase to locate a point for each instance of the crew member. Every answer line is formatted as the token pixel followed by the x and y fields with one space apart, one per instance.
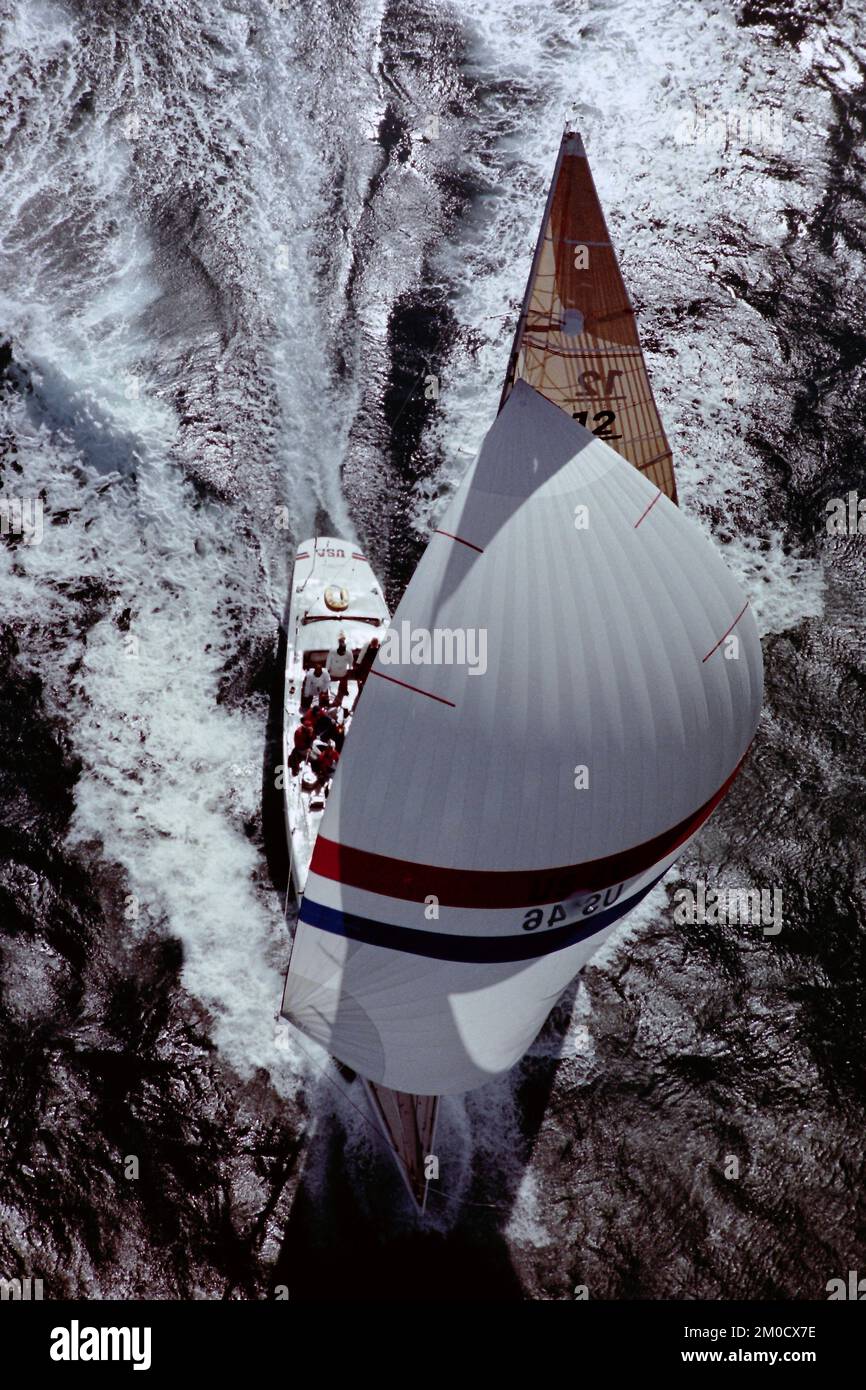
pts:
pixel 339 664
pixel 303 741
pixel 324 725
pixel 324 760
pixel 316 682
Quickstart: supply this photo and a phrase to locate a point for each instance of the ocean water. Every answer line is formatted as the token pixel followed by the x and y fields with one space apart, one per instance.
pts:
pixel 235 239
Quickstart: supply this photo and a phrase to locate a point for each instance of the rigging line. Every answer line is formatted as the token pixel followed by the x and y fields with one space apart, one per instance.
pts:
pixel 364 1116
pixel 424 370
pixel 313 565
pixel 339 1089
pixel 446 1196
pixel 465 1202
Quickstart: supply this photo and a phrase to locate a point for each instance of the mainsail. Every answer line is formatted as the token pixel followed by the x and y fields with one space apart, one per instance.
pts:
pixel 493 816
pixel 577 340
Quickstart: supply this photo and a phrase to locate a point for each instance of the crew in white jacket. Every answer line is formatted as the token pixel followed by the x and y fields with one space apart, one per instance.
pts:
pixel 339 663
pixel 315 682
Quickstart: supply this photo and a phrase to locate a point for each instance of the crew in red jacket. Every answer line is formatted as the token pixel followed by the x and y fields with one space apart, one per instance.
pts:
pixel 303 740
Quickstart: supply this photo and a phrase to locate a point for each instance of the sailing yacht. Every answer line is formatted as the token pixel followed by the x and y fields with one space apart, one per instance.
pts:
pixel 484 833
pixel 334 594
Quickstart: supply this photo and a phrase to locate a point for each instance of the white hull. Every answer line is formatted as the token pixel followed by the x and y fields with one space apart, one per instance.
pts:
pixel 328 569
pixel 322 564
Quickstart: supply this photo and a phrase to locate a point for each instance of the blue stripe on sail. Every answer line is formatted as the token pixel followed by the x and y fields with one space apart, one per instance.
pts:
pixel 478 949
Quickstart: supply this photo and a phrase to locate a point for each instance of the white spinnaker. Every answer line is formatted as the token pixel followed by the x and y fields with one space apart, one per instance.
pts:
pixel 607 646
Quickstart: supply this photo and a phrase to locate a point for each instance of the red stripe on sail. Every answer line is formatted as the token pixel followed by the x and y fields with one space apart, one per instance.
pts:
pixel 492 889
pixel 647 511
pixel 471 544
pixel 417 689
pixel 726 634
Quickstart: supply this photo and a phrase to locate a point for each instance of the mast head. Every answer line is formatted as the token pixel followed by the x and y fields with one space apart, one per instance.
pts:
pixel 572 141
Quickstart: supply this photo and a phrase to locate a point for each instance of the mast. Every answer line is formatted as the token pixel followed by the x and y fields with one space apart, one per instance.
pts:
pixel 576 340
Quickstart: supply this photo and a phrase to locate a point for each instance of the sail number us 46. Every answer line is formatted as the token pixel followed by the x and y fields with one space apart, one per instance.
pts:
pixel 556 915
